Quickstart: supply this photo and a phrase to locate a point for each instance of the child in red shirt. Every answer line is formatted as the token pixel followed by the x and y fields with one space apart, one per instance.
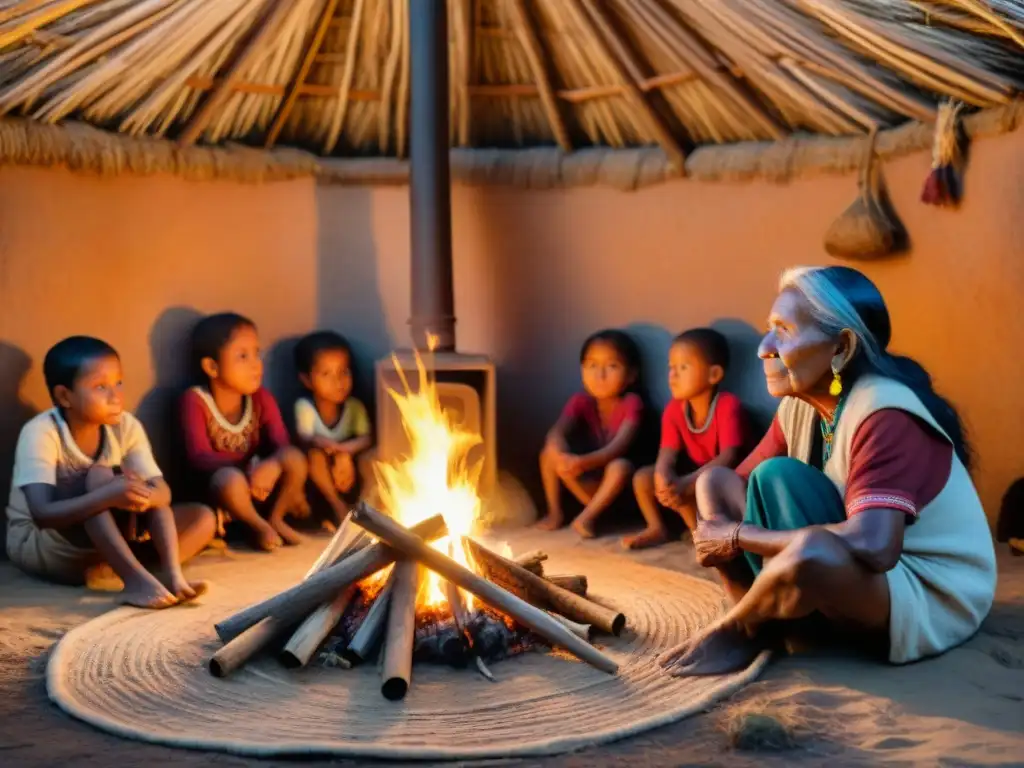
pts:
pixel 235 439
pixel 587 448
pixel 701 424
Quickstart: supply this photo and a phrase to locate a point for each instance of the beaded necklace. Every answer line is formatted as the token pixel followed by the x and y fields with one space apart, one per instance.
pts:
pixel 828 430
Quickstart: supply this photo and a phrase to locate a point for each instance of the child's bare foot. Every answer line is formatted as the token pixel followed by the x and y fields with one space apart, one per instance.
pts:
pixel 147 592
pixel 551 522
pixel 101 578
pixel 267 538
pixel 288 535
pixel 300 508
pixel 186 591
pixel 649 537
pixel 583 528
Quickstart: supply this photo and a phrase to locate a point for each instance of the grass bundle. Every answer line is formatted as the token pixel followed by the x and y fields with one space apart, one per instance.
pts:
pixel 943 185
pixel 868 229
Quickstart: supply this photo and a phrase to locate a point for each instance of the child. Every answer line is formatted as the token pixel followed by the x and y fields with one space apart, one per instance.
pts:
pixel 85 486
pixel 234 438
pixel 601 423
pixel 700 423
pixel 330 424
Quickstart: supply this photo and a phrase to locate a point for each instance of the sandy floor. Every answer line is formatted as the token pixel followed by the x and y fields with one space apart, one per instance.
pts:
pixel 966 708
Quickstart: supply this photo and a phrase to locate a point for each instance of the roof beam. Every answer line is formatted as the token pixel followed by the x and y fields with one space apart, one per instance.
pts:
pixel 524 30
pixel 622 61
pixel 295 88
pixel 271 20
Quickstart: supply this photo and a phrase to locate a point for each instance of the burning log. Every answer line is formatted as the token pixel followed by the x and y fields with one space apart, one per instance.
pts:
pixel 537 591
pixel 532 561
pixel 576 583
pixel 405 541
pixel 315 629
pixel 364 642
pixel 294 604
pixel 396 671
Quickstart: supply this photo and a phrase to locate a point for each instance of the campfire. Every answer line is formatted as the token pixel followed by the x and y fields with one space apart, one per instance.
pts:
pixel 414 584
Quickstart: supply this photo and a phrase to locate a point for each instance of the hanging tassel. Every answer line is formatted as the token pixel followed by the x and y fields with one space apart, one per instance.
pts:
pixel 942 187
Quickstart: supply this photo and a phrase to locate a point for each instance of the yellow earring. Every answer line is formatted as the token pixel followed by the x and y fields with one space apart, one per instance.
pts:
pixel 836 387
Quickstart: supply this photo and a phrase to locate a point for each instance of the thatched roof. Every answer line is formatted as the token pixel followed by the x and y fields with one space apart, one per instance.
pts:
pixel 331 76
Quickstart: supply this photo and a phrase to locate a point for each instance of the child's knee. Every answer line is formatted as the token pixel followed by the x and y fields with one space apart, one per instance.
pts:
pixel 98 476
pixel 228 480
pixel 620 469
pixel 316 457
pixel 293 461
pixel 643 480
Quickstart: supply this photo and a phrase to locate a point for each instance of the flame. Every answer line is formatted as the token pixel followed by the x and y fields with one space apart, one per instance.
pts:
pixel 437 476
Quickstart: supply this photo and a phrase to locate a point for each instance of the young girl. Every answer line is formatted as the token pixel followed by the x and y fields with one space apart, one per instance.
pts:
pixel 587 447
pixel 235 439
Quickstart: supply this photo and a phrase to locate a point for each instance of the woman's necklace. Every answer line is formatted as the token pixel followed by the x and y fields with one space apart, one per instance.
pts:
pixel 828 430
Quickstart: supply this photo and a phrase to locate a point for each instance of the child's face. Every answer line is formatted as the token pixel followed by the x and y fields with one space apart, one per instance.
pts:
pixel 240 366
pixel 689 374
pixel 604 372
pixel 96 397
pixel 331 376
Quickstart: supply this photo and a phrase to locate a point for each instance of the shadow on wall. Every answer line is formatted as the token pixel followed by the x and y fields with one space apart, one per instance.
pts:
pixel 15 364
pixel 349 298
pixel 280 378
pixel 172 375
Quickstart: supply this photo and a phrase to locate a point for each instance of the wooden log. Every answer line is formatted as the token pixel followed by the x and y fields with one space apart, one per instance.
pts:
pixel 405 541
pixel 541 592
pixel 244 646
pixel 294 604
pixel 532 561
pixel 364 642
pixel 344 541
pixel 318 625
pixel 582 631
pixel 575 583
pixel 396 671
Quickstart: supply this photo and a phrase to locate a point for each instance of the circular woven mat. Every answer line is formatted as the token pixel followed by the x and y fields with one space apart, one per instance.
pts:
pixel 143 675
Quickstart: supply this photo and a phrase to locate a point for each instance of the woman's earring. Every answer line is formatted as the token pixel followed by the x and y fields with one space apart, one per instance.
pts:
pixel 836 387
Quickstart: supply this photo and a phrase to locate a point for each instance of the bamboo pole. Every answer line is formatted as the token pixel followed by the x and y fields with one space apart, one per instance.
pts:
pixel 405 541
pixel 195 127
pixel 538 591
pixel 295 87
pixel 535 58
pixel 307 638
pixel 582 631
pixel 396 670
pixel 297 602
pixel 364 642
pixel 245 645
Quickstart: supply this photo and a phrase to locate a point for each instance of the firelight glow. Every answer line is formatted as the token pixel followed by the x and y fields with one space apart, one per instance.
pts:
pixel 436 476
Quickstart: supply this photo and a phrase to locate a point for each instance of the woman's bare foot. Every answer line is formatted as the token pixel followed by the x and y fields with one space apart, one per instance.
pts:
pixel 146 592
pixel 583 528
pixel 649 537
pixel 717 651
pixel 288 535
pixel 551 522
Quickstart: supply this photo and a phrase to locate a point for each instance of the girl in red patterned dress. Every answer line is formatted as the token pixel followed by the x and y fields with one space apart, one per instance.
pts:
pixel 235 439
pixel 587 449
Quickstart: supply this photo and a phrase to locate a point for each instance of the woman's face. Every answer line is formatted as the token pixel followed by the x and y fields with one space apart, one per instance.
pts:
pixel 797 354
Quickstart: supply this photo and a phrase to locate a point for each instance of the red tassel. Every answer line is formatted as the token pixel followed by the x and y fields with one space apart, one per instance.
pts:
pixel 933 191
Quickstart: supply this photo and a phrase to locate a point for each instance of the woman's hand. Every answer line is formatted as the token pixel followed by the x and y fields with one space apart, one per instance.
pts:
pixel 716 542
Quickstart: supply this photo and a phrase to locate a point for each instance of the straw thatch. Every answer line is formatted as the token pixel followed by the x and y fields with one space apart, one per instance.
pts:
pixel 659 78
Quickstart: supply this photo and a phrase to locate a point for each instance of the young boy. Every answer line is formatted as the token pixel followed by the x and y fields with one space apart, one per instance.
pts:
pixel 331 425
pixel 86 488
pixel 701 425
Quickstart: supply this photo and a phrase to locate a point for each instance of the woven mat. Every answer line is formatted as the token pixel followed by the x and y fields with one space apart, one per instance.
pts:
pixel 143 675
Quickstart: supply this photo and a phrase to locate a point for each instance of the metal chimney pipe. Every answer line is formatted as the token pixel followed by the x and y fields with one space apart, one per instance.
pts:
pixel 433 299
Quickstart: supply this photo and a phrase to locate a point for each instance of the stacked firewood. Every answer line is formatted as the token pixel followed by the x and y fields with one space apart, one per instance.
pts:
pixel 520 606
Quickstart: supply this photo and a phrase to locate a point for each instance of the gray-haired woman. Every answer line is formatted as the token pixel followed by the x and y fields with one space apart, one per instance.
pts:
pixel 857 505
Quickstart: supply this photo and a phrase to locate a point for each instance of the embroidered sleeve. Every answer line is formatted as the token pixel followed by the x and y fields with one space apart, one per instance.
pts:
pixel 272 427
pixel 773 444
pixel 199 452
pixel 670 435
pixel 729 422
pixel 896 462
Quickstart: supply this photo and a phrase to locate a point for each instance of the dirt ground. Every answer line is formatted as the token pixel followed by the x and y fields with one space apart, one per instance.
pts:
pixel 965 708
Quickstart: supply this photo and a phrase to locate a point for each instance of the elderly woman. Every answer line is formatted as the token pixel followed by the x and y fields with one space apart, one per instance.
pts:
pixel 857 506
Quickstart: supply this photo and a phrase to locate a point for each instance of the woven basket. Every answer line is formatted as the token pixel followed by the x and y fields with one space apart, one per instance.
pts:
pixel 868 229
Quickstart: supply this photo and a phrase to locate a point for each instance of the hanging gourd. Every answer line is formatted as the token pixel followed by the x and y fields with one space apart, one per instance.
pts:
pixel 944 184
pixel 869 228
